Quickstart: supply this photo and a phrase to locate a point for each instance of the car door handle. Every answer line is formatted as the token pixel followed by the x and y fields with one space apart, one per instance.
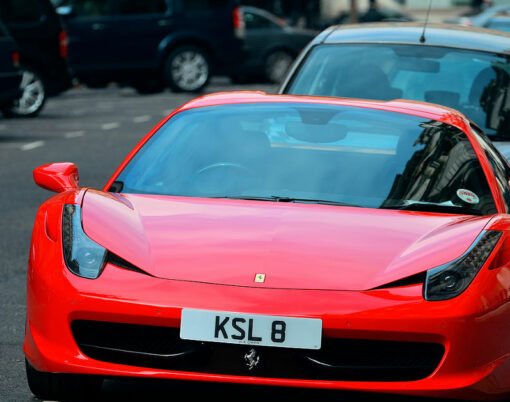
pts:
pixel 164 23
pixel 98 26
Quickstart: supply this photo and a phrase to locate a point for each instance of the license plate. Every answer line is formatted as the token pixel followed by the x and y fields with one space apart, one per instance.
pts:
pixel 251 329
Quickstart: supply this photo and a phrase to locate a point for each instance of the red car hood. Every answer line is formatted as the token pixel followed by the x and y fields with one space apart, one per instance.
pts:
pixel 299 246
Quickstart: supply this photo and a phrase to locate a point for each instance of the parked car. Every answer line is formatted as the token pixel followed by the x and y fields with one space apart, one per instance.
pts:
pixel 270 45
pixel 151 44
pixel 42 43
pixel 499 23
pixel 385 15
pixel 10 76
pixel 482 20
pixel 271 240
pixel 463 68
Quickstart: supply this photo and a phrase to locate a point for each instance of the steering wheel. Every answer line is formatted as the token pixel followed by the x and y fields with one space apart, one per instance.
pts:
pixel 225 165
pixel 224 178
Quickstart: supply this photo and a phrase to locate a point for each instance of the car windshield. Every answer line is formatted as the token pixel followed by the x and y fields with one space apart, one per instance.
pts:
pixel 475 83
pixel 312 153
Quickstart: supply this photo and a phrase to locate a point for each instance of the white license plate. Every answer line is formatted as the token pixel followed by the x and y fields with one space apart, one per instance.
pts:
pixel 251 329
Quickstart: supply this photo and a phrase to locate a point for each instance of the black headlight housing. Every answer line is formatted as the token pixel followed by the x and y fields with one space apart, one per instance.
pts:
pixel 82 255
pixel 450 280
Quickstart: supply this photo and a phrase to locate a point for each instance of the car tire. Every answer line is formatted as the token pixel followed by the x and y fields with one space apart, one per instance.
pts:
pixel 33 96
pixel 187 69
pixel 51 386
pixel 277 64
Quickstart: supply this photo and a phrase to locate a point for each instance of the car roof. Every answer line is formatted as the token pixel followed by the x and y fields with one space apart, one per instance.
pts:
pixel 415 108
pixel 455 36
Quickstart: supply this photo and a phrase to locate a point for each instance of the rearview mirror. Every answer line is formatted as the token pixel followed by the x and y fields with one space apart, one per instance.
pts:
pixel 57 177
pixel 417 64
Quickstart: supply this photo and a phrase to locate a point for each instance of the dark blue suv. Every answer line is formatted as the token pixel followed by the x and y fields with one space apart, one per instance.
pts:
pixel 42 47
pixel 10 77
pixel 151 44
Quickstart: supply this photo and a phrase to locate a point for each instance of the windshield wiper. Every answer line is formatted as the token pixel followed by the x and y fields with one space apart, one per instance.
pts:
pixel 277 198
pixel 431 207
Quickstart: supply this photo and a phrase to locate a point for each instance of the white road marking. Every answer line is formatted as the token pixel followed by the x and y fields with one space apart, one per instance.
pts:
pixel 167 112
pixel 74 134
pixel 32 145
pixel 110 126
pixel 142 119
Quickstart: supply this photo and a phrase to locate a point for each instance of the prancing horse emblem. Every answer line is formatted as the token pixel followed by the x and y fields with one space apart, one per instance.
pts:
pixel 252 359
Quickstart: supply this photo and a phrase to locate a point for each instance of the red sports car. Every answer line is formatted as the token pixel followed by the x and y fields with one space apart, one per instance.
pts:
pixel 280 240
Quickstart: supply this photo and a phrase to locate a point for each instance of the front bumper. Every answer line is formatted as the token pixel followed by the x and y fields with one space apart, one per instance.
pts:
pixel 473 330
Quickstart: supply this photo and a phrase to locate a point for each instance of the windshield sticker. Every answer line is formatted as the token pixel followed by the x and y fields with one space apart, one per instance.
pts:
pixel 467 196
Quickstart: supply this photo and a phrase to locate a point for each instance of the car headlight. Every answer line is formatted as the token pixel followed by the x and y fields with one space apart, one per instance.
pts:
pixel 83 256
pixel 450 280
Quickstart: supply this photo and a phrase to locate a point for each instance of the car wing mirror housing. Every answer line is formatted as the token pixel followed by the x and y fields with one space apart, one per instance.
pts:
pixel 57 177
pixel 65 11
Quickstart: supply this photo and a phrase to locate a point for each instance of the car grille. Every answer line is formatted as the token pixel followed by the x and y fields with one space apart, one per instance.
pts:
pixel 338 360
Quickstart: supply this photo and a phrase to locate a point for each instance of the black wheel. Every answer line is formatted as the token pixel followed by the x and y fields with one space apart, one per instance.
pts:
pixel 277 64
pixel 33 95
pixel 187 69
pixel 62 386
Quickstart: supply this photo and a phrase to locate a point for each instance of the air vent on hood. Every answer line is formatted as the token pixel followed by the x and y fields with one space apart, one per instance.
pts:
pixel 410 280
pixel 120 262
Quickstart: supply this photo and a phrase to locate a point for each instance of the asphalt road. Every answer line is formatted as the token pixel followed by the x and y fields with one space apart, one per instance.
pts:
pixel 94 129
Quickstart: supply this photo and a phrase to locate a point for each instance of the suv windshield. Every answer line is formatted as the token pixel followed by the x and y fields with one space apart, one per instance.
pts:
pixel 312 153
pixel 475 83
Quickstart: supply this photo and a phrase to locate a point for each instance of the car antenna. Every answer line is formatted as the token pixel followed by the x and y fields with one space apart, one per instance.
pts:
pixel 422 38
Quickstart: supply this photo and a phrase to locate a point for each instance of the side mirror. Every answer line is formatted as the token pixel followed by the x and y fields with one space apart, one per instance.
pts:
pixel 64 11
pixel 57 177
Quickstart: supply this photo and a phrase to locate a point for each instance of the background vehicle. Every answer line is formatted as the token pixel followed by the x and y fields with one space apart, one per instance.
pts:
pixel 412 249
pixel 42 44
pixel 151 44
pixel 10 77
pixel 270 45
pixel 463 68
pixel 483 19
pixel 387 15
pixel 499 23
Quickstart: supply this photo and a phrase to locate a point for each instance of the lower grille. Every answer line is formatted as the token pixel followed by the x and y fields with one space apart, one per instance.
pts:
pixel 337 360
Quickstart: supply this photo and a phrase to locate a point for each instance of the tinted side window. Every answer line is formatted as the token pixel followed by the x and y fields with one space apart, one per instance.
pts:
pixel 128 7
pixel 160 6
pixel 203 5
pixel 256 21
pixel 19 11
pixel 90 8
pixel 499 165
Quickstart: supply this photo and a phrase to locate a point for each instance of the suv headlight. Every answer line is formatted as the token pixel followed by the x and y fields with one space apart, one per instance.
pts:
pixel 83 256
pixel 450 280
